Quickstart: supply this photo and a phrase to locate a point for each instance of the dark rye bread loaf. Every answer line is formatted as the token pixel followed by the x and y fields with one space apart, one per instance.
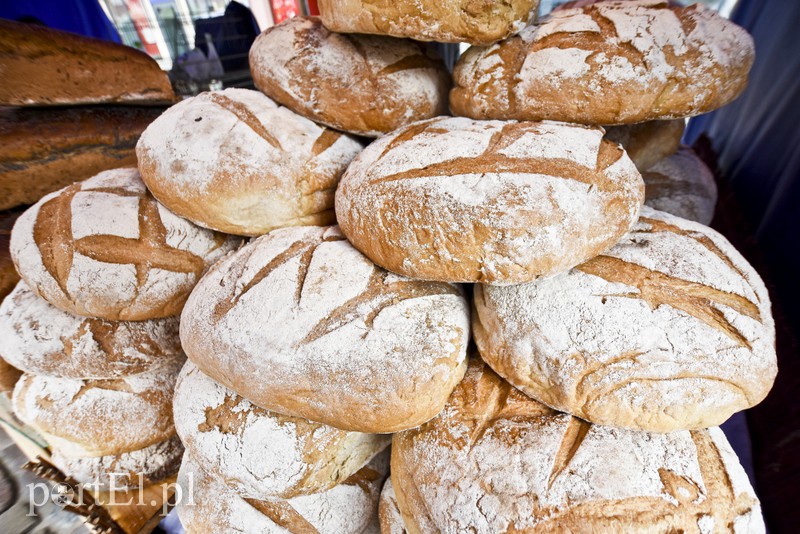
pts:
pixel 41 66
pixel 43 150
pixel 497 461
pixel 612 62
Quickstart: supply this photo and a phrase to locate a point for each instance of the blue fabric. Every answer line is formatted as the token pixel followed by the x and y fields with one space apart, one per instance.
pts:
pixel 84 17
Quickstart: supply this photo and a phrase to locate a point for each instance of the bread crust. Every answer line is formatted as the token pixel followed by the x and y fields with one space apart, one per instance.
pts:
pixel 346 343
pixel 261 454
pixel 682 185
pixel 43 150
pixel 448 21
pixel 496 202
pixel 236 162
pixel 8 273
pixel 90 418
pixel 669 330
pixel 613 62
pixel 42 66
pixel 647 143
pixel 388 512
pixel 105 248
pixel 495 461
pixel 41 339
pixel 361 84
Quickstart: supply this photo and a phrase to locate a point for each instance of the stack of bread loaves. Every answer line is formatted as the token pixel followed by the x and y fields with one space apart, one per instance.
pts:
pixel 93 326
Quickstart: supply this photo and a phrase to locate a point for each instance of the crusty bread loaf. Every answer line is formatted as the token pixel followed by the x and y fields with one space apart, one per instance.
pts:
pixel 105 248
pixel 8 273
pixel 89 418
pixel 613 62
pixel 495 202
pixel 41 339
pixel 449 21
pixel 391 518
pixel 43 150
pixel 682 185
pixel 362 84
pixel 647 143
pixel 261 454
pixel 210 507
pixel 236 162
pixel 300 323
pixel 42 66
pixel 133 469
pixel 496 461
pixel 9 375
pixel 671 329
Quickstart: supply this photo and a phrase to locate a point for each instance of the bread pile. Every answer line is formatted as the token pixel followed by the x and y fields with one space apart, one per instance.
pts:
pixel 612 337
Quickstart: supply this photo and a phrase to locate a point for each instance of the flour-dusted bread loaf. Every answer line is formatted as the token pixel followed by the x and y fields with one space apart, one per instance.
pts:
pixel 237 162
pixel 348 508
pixel 261 454
pixel 45 149
pixel 391 518
pixel 647 143
pixel 105 248
pixel 88 418
pixel 361 84
pixel 41 339
pixel 612 62
pixel 41 66
pixel 448 21
pixel 682 185
pixel 300 323
pixel 496 202
pixel 671 329
pixel 496 461
pixel 8 273
pixel 132 469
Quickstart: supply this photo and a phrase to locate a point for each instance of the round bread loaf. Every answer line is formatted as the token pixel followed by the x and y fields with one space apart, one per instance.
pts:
pixel 671 329
pixel 388 512
pixel 208 506
pixel 458 200
pixel 236 162
pixel 682 185
pixel 41 339
pixel 365 85
pixel 497 461
pixel 260 454
pixel 105 248
pixel 647 143
pixel 449 21
pixel 356 348
pixel 133 469
pixel 613 62
pixel 89 418
pixel 8 273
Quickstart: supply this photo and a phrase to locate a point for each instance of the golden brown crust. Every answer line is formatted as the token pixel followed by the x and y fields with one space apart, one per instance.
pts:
pixel 42 66
pixel 448 21
pixel 612 62
pixel 497 461
pixel 44 150
pixel 365 85
pixel 647 143
pixel 9 375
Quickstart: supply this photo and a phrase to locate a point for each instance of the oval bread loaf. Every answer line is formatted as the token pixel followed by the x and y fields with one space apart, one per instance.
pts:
pixel 348 508
pixel 497 461
pixel 105 248
pixel 236 162
pixel 89 418
pixel 448 21
pixel 671 329
pixel 613 62
pixel 41 339
pixel 682 185
pixel 361 84
pixel 302 324
pixel 458 200
pixel 260 454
